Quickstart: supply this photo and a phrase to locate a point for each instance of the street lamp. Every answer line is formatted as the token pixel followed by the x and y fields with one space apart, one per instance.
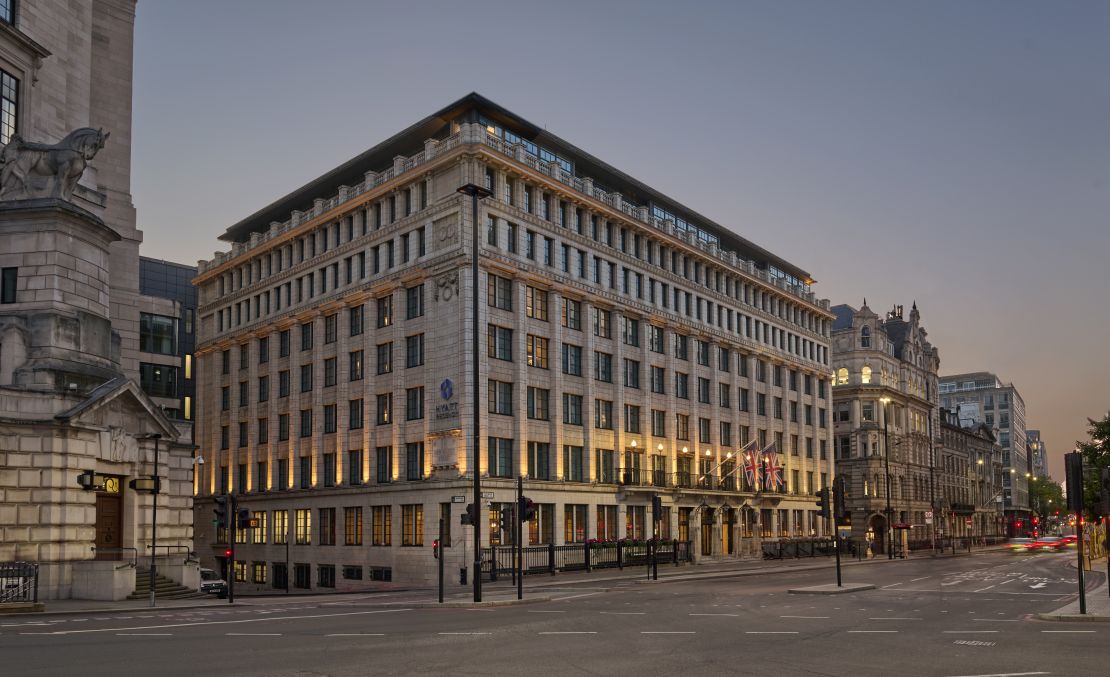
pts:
pixel 155 486
pixel 886 461
pixel 476 193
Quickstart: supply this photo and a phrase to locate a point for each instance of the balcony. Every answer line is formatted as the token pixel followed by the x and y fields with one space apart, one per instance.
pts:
pixel 634 478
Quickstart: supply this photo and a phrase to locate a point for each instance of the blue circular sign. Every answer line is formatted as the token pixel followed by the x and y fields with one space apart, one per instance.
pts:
pixel 446 389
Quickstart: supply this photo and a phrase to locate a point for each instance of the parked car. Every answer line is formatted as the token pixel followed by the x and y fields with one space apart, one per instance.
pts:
pixel 1048 544
pixel 211 583
pixel 1020 544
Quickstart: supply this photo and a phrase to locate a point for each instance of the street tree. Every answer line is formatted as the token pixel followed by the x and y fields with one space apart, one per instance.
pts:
pixel 1096 456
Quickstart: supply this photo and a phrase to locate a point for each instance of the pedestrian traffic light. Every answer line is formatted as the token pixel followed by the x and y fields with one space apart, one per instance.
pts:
pixel 219 509
pixel 1073 478
pixel 507 519
pixel 823 503
pixel 469 517
pixel 228 553
pixel 840 500
pixel 527 509
pixel 656 508
pixel 435 549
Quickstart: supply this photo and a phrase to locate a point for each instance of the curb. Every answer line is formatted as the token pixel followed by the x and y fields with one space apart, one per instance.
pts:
pixel 831 589
pixel 1073 618
pixel 85 612
pixel 459 604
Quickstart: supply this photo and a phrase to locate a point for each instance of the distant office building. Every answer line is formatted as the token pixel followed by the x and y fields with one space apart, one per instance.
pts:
pixel 969 473
pixel 1038 453
pixel 166 359
pixel 981 397
pixel 885 420
pixel 629 347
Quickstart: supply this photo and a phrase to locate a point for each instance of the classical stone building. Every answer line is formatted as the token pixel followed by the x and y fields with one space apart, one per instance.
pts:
pixel 970 477
pixel 885 421
pixel 629 347
pixel 982 397
pixel 70 306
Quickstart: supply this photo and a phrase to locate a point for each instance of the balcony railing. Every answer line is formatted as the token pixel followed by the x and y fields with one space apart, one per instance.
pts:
pixel 638 477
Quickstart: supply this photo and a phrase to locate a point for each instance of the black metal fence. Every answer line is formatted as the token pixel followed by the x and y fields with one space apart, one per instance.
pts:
pixel 19 582
pixel 497 561
pixel 793 549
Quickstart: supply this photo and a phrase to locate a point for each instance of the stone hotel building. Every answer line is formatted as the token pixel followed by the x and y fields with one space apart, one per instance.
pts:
pixel 629 347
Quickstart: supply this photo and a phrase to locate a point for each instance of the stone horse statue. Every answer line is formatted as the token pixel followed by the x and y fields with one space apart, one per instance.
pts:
pixel 39 170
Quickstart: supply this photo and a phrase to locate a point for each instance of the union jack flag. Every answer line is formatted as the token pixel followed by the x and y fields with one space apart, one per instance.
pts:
pixel 752 468
pixel 773 473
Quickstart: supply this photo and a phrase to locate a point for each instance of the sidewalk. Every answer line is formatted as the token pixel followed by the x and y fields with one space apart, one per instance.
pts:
pixel 494 593
pixel 1098 603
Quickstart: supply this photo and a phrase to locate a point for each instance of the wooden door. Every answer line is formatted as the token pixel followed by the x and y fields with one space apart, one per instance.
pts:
pixel 109 526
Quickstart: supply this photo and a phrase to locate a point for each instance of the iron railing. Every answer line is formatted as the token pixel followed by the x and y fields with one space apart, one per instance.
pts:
pixel 19 582
pixel 794 549
pixel 497 561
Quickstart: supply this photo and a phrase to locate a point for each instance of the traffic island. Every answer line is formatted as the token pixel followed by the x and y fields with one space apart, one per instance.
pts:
pixel 831 589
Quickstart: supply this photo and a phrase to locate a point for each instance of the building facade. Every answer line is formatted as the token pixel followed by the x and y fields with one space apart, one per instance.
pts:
pixel 971 477
pixel 168 337
pixel 885 421
pixel 70 335
pixel 981 397
pixel 628 347
pixel 1038 453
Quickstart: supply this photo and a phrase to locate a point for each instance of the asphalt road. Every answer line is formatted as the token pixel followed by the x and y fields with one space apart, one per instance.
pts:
pixel 959 616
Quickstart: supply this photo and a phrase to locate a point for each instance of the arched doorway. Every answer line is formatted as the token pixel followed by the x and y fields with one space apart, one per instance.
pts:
pixel 877 533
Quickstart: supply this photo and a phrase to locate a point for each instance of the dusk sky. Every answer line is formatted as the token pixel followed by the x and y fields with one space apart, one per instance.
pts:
pixel 952 153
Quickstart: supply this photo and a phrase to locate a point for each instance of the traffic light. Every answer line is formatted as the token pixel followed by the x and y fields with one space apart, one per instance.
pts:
pixel 656 508
pixel 435 549
pixel 507 520
pixel 469 517
pixel 227 553
pixel 840 499
pixel 220 510
pixel 823 503
pixel 242 518
pixel 1073 478
pixel 527 509
pixel 1105 492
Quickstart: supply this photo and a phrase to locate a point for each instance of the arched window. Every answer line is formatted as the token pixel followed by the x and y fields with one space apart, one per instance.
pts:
pixel 865 375
pixel 865 337
pixel 841 376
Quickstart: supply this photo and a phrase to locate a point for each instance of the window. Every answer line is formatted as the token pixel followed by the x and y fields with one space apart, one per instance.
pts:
pixel 414 403
pixel 572 314
pixel 381 521
pixel 538 403
pixel 499 342
pixel 352 526
pixel 384 409
pixel 500 292
pixel 682 385
pixel 281 527
pixel 655 339
pixel 603 367
pixel 572 359
pixel 658 379
pixel 658 423
pixel 703 430
pixel 631 332
pixel 283 383
pixel 865 337
pixel 631 418
pixel 631 374
pixel 760 404
pixel 283 343
pixel 306 422
pixel 682 426
pixel 572 409
pixel 157 333
pixel 539 460
pixel 573 463
pixel 414 351
pixel 414 302
pixel 356 320
pixel 537 351
pixel 412 525
pixel 383 464
pixel 354 366
pixel 329 372
pixel 329 418
pixel 603 414
pixel 414 461
pixel 681 347
pixel 306 471
pixel 865 374
pixel 354 467
pixel 326 533
pixel 723 392
pixel 500 397
pixel 306 378
pixel 603 323
pixel 606 474
pixel 283 427
pixel 9 96
pixel 703 353
pixel 500 452
pixel 303 526
pixel 723 359
pixel 703 390
pixel 385 311
pixel 536 303
pixel 385 358
pixel 306 336
pixel 331 328
pixel 158 380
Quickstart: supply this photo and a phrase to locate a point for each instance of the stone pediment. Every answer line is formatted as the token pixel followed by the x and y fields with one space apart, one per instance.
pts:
pixel 120 405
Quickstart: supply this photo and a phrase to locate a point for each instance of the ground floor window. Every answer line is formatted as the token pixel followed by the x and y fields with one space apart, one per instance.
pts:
pixel 635 518
pixel 240 571
pixel 281 576
pixel 574 523
pixel 607 522
pixel 412 525
pixel 665 523
pixel 541 528
pixel 766 528
pixel 684 523
pixel 258 572
pixel 325 575
pixel 382 518
pixel 302 576
pixel 352 573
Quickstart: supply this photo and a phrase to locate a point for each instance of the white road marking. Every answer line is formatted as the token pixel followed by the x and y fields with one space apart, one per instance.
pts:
pixel 986 588
pixel 253 634
pixel 544 611
pixel 914 580
pixel 144 634
pixel 996 620
pixel 1069 631
pixel 1009 580
pixel 667 632
pixel 891 585
pixel 481 609
pixel 968 632
pixel 732 615
pixel 462 633
pixel 244 620
pixel 870 631
pixel 814 617
pixel 771 632
pixel 356 634
pixel 587 594
pixel 569 632
pixel 1038 585
pixel 1006 674
pixel 623 613
pixel 894 618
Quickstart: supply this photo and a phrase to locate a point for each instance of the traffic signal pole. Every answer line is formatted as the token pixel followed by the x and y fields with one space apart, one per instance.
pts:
pixel 441 558
pixel 232 518
pixel 520 536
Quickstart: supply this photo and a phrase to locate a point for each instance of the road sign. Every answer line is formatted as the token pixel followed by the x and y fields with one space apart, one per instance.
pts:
pixel 928 514
pixel 928 519
pixel 488 495
pixel 458 499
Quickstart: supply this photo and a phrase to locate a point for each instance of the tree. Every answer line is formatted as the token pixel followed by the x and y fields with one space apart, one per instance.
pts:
pixel 1096 456
pixel 1046 496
